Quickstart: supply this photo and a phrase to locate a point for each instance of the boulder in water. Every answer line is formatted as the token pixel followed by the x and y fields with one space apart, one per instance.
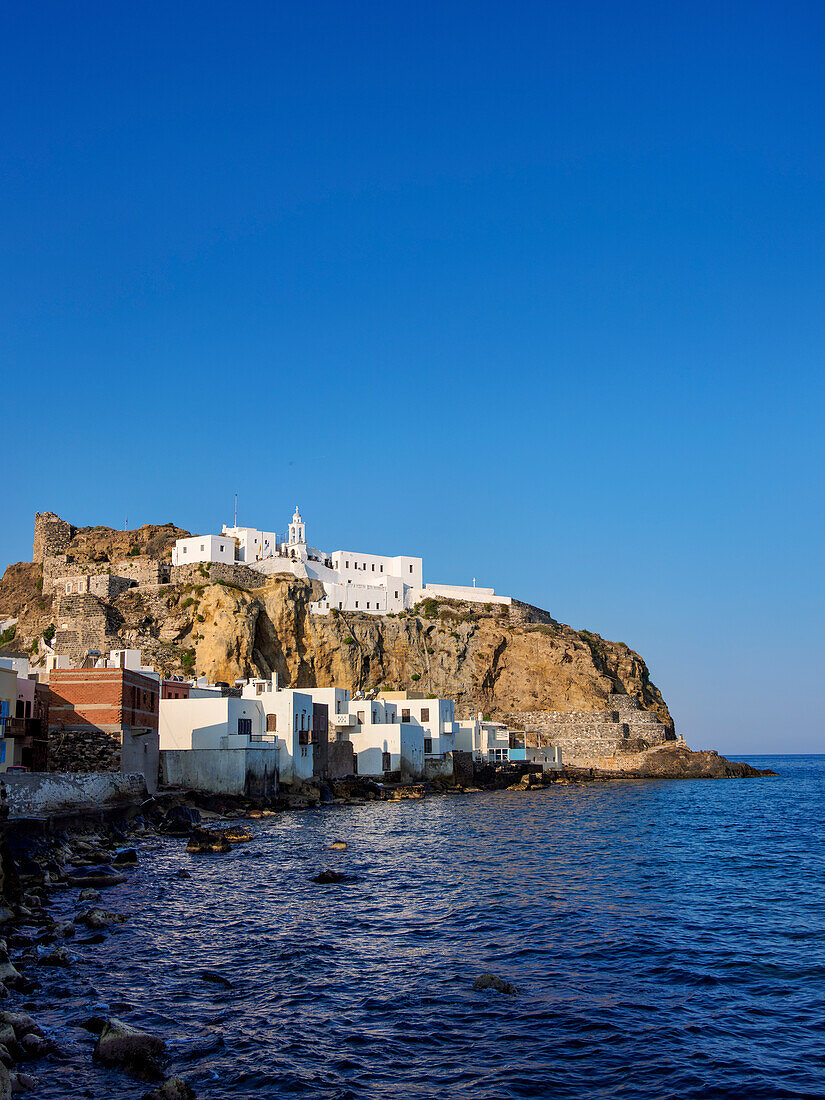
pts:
pixel 214 977
pixel 138 1052
pixel 491 981
pixel 173 1088
pixel 179 820
pixel 58 957
pixel 125 856
pixel 208 840
pixel 329 878
pixel 98 877
pixel 101 918
pixel 339 845
pixel 35 1046
pixel 21 1023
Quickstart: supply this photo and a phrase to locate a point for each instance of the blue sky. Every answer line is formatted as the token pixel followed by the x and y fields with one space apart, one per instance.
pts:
pixel 534 290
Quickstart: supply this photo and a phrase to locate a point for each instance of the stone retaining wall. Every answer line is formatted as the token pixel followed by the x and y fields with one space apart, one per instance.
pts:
pixel 526 613
pixel 237 573
pixel 585 737
pixel 83 748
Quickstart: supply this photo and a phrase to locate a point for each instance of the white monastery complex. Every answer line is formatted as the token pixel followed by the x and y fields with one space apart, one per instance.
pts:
pixel 353 581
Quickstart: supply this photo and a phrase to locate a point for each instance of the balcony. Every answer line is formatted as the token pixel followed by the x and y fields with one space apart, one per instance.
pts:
pixel 23 727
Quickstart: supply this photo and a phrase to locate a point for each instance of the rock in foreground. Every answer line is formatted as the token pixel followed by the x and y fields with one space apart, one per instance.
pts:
pixel 138 1052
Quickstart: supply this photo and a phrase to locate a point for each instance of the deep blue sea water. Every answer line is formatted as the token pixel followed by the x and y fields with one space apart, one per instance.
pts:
pixel 668 940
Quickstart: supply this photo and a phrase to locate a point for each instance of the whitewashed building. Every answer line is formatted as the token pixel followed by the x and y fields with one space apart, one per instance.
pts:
pixel 217 722
pixel 377 584
pixel 204 548
pixel 436 717
pixel 288 717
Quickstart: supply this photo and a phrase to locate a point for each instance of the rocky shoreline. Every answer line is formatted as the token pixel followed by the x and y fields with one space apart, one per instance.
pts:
pixel 41 860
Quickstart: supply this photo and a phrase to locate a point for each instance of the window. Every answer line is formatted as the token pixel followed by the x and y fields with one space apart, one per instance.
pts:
pixel 373 567
pixel 368 605
pixel 184 549
pixel 347 565
pixel 202 548
pixel 425 714
pixel 356 603
pixel 386 762
pixel 296 723
pixel 360 717
pixel 405 715
pixel 411 569
pixel 245 726
pixel 428 745
pixel 340 605
pixel 221 546
pixel 381 568
pixel 396 595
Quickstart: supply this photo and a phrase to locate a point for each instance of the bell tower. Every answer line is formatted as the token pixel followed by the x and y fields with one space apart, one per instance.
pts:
pixel 297 530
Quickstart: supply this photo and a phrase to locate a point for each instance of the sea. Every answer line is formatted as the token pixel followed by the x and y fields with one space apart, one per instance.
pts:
pixel 666 938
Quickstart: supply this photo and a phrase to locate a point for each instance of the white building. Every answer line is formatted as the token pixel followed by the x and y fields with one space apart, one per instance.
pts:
pixel 377 584
pixel 383 747
pixel 252 545
pixel 219 722
pixel 436 717
pixel 288 717
pixel 204 548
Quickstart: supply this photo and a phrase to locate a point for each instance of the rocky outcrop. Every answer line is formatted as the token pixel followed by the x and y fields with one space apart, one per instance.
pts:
pixel 489 658
pixel 108 544
pixel 673 760
pixel 486 658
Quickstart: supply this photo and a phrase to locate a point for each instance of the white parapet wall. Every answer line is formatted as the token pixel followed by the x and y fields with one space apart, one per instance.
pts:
pixel 470 594
pixel 41 794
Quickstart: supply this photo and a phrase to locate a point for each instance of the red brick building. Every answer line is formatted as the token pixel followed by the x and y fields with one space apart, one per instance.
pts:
pixel 104 719
pixel 174 689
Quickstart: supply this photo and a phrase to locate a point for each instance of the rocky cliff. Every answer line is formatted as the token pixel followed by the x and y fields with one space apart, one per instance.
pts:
pixel 516 663
pixel 488 658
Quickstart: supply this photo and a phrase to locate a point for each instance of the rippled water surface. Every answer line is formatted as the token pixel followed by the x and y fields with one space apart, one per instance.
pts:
pixel 668 939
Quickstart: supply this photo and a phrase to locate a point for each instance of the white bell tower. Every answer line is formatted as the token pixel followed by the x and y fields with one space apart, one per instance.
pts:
pixel 297 530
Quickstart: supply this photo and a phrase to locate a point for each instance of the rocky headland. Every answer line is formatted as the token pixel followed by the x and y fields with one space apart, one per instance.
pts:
pixel 513 663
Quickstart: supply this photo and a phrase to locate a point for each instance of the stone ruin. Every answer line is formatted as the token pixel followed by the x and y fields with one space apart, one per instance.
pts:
pixel 586 736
